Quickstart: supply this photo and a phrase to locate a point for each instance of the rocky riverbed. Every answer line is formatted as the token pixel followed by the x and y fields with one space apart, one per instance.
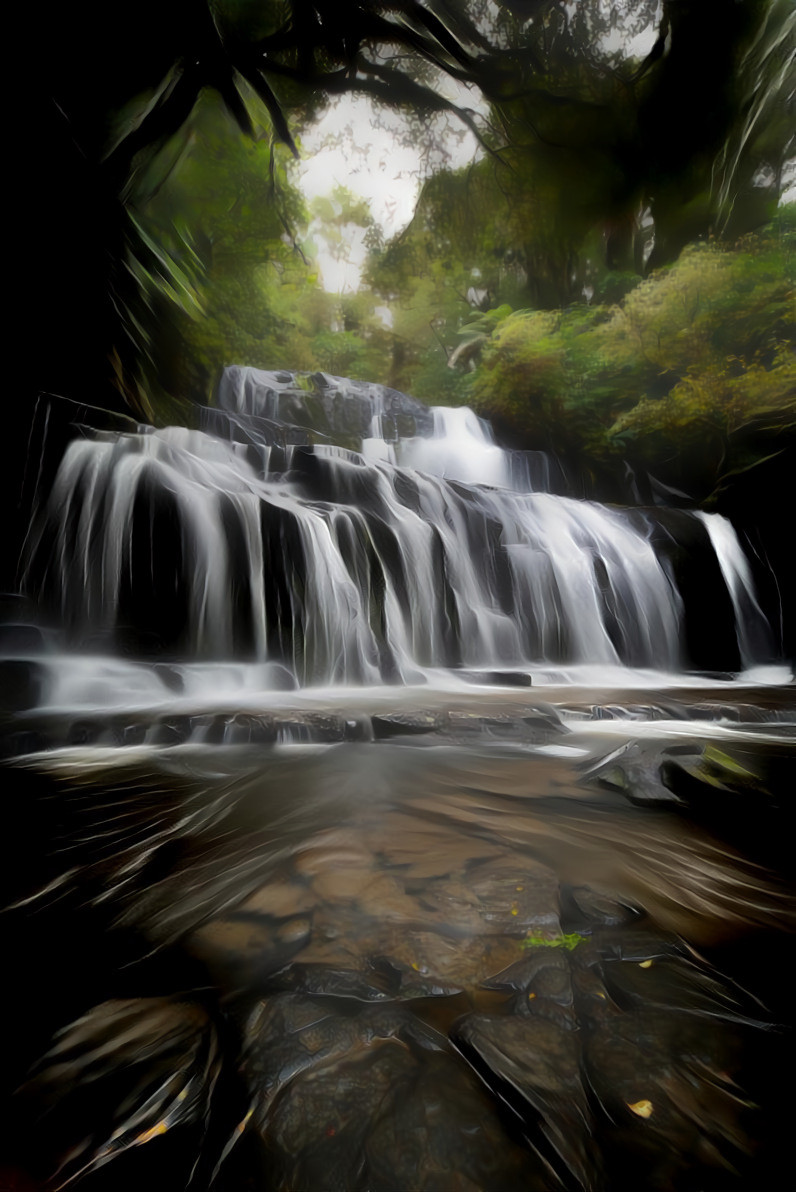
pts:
pixel 508 942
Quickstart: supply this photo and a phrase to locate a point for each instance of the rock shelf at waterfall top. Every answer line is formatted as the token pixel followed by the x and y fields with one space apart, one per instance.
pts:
pixel 331 561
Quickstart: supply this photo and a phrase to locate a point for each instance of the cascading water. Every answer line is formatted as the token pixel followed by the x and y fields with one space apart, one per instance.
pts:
pixel 352 534
pixel 329 711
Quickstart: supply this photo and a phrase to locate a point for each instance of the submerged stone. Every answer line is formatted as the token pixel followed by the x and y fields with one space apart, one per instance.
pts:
pixel 404 724
pixel 536 1066
pixel 372 1101
pixel 21 684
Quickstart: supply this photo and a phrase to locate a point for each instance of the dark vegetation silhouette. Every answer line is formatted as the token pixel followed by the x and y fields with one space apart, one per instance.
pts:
pixel 696 135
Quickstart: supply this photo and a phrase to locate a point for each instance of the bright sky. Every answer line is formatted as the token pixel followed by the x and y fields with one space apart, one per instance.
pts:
pixel 367 150
pixel 374 161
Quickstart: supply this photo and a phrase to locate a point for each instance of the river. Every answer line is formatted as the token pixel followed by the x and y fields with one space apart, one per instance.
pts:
pixel 386 816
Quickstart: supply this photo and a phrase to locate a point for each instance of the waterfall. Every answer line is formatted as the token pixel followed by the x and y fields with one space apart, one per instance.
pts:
pixel 754 638
pixel 354 535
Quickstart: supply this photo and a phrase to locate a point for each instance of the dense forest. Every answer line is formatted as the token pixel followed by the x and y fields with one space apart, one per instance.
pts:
pixel 611 279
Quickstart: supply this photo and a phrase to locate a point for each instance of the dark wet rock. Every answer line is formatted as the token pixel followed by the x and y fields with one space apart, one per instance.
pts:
pixel 392 1021
pixel 21 684
pixel 444 1135
pixel 540 724
pixel 683 547
pixel 451 903
pixel 113 733
pixel 594 1005
pixel 325 727
pixel 515 728
pixel 279 898
pixel 289 1033
pixel 722 787
pixel 585 907
pixel 607 712
pixel 562 985
pixel 26 741
pixel 493 678
pixel 399 724
pixel 248 947
pixel 742 795
pixel 738 713
pixel 517 897
pixel 535 1066
pixel 632 944
pixel 170 676
pixel 316 1134
pixel 285 1035
pixel 134 734
pixel 514 725
pixel 371 1101
pixel 674 983
pixel 545 972
pixel 543 987
pixel 21 639
pixel 635 771
pixel 446 961
pixel 125 1072
pixel 210 730
pixel 708 766
pixel 714 676
pixel 322 728
pixel 171 732
pixel 319 981
pixel 322 406
pixel 84 732
pixel 246 729
pixel 14 608
pixel 544 717
pixel 410 983
pixel 358 729
pixel 665 1081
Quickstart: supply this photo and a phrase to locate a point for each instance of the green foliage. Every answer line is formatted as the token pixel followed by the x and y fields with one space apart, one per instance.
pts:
pixel 568 940
pixel 554 210
pixel 231 263
pixel 229 221
pixel 691 376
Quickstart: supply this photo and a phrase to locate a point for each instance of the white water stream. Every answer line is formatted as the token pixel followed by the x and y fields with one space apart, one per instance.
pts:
pixel 361 567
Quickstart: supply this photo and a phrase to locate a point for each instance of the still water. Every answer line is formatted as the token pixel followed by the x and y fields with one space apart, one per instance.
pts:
pixel 490 939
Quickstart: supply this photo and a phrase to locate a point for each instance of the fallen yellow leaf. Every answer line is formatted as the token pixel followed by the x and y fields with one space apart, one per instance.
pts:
pixel 241 1126
pixel 153 1132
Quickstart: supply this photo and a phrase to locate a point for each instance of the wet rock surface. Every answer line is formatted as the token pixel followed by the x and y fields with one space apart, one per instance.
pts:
pixel 397 966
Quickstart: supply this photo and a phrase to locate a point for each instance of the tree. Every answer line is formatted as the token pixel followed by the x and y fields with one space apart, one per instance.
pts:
pixel 233 228
pixel 690 377
pixel 542 65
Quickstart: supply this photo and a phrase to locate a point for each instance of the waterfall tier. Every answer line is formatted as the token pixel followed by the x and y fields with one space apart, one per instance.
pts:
pixel 354 535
